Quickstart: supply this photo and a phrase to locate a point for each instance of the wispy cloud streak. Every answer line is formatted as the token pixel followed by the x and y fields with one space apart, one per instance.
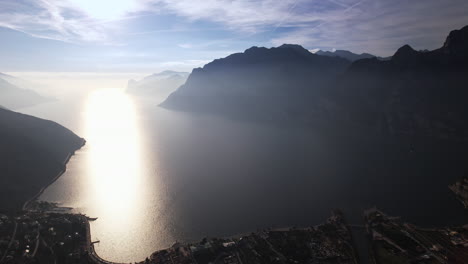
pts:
pixel 51 19
pixel 381 26
pixel 191 30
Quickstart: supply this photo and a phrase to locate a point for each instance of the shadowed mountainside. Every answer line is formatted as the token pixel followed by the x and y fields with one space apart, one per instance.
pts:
pixel 415 92
pixel 262 83
pixel 33 153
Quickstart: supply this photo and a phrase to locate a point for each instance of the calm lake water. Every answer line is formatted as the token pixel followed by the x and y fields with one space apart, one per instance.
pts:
pixel 154 176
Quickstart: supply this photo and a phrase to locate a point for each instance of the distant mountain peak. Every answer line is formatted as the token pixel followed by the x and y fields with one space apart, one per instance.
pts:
pixel 13 97
pixel 346 54
pixel 293 46
pixel 254 49
pixel 162 75
pixel 457 42
pixel 168 72
pixel 159 84
pixel 405 48
pixel 349 52
pixel 404 53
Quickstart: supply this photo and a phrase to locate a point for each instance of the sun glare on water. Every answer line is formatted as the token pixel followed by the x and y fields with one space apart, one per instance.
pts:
pixel 115 168
pixel 114 162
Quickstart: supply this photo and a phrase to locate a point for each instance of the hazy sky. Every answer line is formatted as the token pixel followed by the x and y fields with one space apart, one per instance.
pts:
pixel 152 35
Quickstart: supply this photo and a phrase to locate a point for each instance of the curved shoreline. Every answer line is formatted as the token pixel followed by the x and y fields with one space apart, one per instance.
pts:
pixel 92 255
pixel 64 169
pixel 89 250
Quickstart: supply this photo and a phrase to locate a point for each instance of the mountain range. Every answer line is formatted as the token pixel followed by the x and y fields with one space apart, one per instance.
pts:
pixel 158 85
pixel 260 83
pixel 416 92
pixel 33 153
pixel 413 92
pixel 346 55
pixel 14 94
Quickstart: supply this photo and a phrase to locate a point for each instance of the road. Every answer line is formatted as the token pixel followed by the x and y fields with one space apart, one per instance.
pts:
pixel 11 242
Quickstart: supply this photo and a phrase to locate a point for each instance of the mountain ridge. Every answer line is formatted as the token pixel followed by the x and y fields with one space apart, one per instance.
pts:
pixel 34 151
pixel 406 94
pixel 346 55
pixel 415 92
pixel 260 83
pixel 158 85
pixel 14 97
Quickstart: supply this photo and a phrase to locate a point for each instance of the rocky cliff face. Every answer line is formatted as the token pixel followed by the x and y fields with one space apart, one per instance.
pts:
pixel 261 83
pixel 417 93
pixel 457 43
pixel 33 152
pixel 414 92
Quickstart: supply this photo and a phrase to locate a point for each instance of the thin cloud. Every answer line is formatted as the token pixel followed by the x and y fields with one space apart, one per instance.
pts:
pixel 376 26
pixel 288 14
pixel 381 27
pixel 185 45
pixel 254 16
pixel 49 19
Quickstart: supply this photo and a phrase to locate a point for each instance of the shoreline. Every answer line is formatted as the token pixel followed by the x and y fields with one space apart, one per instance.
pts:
pixel 92 255
pixel 64 164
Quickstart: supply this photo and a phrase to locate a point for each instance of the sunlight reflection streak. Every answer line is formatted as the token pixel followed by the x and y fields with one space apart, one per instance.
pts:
pixel 114 161
pixel 123 190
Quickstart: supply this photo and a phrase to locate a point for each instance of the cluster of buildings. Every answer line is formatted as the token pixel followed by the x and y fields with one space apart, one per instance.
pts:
pixel 39 237
pixel 394 241
pixel 460 189
pixel 43 234
pixel 7 227
pixel 327 243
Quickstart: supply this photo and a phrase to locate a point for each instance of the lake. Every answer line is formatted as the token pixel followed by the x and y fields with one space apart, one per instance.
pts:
pixel 154 176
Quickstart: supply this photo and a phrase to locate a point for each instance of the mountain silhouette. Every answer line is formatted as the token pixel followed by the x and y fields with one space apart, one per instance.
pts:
pixel 345 54
pixel 158 85
pixel 260 82
pixel 413 92
pixel 14 97
pixel 33 152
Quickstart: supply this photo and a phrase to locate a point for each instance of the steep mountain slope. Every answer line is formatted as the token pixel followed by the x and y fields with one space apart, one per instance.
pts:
pixel 413 93
pixel 33 152
pixel 260 82
pixel 14 97
pixel 18 82
pixel 158 85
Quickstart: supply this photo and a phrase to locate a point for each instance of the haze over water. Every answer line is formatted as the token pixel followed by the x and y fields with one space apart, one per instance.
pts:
pixel 154 177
